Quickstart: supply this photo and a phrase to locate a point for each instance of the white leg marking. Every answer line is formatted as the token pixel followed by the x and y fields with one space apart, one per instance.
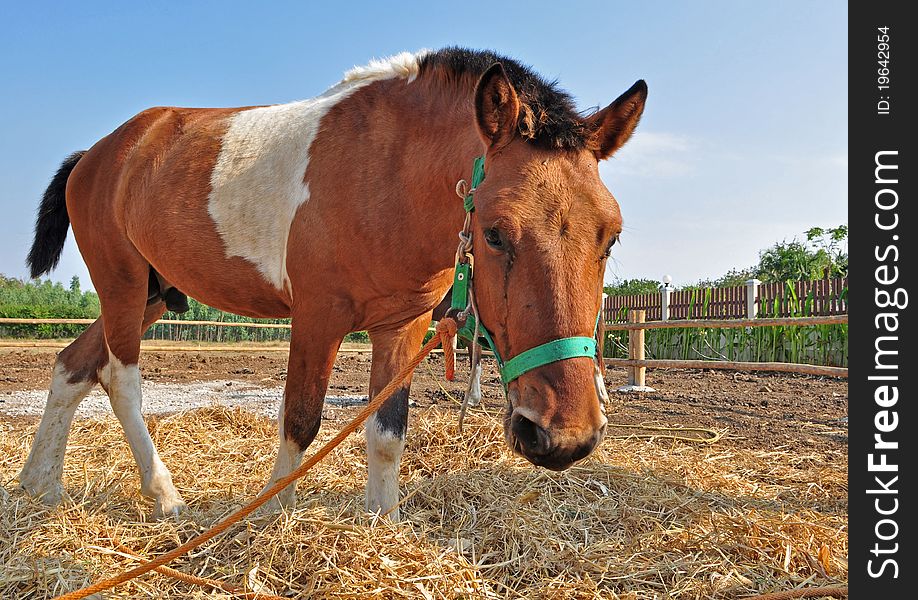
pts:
pixel 155 479
pixel 474 391
pixel 41 474
pixel 289 457
pixel 384 453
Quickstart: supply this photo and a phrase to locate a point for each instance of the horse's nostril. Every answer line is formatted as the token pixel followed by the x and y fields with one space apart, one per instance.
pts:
pixel 532 438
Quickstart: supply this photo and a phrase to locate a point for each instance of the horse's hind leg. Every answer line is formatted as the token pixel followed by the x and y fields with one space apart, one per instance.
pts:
pixel 124 326
pixel 75 373
pixel 78 368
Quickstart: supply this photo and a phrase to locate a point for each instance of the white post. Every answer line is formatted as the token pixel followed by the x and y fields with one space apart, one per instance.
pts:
pixel 666 290
pixel 752 296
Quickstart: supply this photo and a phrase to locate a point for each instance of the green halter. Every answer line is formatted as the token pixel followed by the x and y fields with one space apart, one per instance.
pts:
pixel 553 351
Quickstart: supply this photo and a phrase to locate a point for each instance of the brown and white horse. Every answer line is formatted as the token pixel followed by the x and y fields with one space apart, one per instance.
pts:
pixel 340 212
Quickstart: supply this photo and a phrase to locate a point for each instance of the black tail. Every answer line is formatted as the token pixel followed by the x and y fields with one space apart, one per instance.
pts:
pixel 52 222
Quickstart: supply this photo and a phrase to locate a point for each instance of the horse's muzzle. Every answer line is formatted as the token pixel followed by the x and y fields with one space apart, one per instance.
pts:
pixel 537 445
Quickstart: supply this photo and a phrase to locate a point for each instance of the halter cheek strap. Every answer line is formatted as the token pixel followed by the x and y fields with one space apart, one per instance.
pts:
pixel 463 301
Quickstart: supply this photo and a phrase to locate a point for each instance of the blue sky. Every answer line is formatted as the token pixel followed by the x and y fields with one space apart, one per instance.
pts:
pixel 743 142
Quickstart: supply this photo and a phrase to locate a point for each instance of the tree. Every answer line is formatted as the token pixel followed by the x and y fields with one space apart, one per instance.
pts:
pixel 823 254
pixel 734 277
pixel 835 243
pixel 628 287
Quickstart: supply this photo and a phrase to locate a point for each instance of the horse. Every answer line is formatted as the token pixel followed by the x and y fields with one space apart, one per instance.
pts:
pixel 340 212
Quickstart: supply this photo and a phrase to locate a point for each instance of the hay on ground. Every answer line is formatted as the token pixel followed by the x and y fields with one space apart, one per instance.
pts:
pixel 639 519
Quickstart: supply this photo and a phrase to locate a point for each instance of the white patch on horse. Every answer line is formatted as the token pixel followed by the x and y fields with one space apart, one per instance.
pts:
pixel 155 479
pixel 41 474
pixel 258 181
pixel 384 454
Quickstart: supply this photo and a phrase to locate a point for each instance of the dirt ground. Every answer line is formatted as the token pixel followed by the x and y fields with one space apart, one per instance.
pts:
pixel 755 410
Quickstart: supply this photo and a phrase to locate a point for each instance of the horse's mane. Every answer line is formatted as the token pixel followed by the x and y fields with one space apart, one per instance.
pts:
pixel 548 117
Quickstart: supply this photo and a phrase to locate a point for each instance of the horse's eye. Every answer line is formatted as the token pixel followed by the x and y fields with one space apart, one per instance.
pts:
pixel 608 251
pixel 492 236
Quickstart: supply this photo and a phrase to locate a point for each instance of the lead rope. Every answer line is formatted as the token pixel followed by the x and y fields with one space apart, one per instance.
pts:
pixel 840 591
pixel 475 353
pixel 445 331
pixel 201 581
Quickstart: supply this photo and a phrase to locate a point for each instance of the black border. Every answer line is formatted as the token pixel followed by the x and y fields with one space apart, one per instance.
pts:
pixel 869 133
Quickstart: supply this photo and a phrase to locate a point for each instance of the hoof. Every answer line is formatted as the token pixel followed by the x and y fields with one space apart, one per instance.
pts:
pixel 168 508
pixel 390 513
pixel 285 500
pixel 49 495
pixel 47 490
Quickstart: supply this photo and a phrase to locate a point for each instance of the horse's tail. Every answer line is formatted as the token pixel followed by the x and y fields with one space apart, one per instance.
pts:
pixel 53 221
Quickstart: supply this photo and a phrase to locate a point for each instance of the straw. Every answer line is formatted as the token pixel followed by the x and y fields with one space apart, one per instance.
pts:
pixel 638 519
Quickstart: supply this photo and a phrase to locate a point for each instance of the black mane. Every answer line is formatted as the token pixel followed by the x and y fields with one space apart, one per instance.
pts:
pixel 548 117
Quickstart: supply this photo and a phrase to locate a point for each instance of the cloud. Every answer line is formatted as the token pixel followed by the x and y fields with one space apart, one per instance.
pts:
pixel 655 154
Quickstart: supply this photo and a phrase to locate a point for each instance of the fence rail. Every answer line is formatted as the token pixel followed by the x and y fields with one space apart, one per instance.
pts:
pixel 636 364
pixel 780 299
pixel 727 323
pixel 11 321
pixel 803 369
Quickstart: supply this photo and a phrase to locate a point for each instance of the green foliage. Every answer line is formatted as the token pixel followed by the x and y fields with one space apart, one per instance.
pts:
pixel 834 242
pixel 360 337
pixel 628 287
pixel 823 254
pixel 793 261
pixel 210 333
pixel 733 278
pixel 45 300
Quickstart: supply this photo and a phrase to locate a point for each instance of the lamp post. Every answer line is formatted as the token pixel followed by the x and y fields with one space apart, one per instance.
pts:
pixel 666 290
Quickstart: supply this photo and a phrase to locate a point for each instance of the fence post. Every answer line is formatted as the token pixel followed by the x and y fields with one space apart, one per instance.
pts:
pixel 752 297
pixel 666 291
pixel 636 347
pixel 636 381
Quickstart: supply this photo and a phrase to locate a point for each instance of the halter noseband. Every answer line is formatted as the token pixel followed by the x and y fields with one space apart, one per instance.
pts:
pixel 474 331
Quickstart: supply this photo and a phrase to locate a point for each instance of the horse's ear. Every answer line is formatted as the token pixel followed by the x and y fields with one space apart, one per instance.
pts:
pixel 497 107
pixel 613 125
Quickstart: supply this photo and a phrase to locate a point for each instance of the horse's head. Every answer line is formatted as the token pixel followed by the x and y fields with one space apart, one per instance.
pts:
pixel 544 226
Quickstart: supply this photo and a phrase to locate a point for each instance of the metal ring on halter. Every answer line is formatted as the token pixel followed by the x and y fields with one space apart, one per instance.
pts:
pixel 464 250
pixel 462 188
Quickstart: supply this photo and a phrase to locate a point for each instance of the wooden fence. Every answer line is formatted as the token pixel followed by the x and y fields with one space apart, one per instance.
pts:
pixel 636 364
pixel 783 299
pixel 810 298
pixel 180 336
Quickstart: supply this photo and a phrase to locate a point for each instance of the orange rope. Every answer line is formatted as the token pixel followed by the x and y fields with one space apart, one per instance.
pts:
pixel 450 327
pixel 203 581
pixel 446 328
pixel 834 592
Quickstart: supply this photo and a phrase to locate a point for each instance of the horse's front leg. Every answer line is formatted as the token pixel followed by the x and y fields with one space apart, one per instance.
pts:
pixel 385 430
